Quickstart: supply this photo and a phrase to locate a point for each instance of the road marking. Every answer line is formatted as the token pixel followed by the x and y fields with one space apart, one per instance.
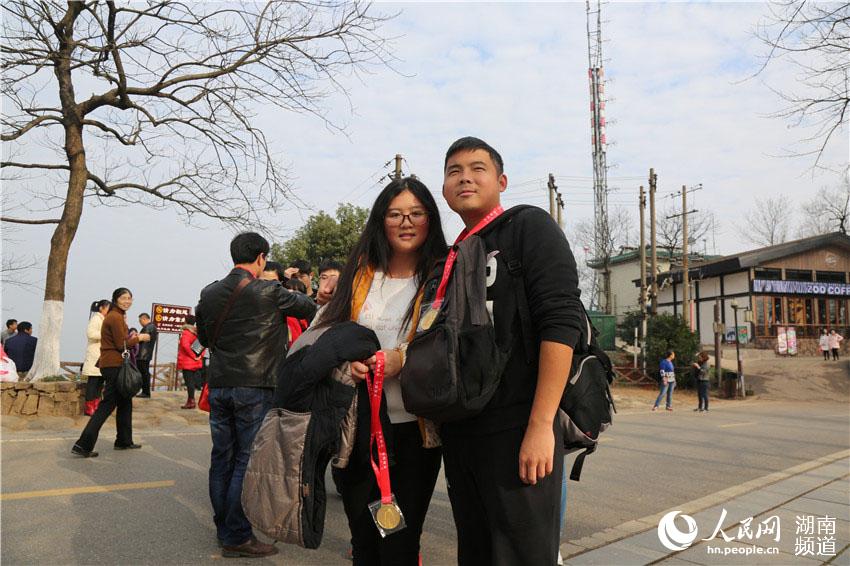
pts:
pixel 142 435
pixel 730 425
pixel 85 489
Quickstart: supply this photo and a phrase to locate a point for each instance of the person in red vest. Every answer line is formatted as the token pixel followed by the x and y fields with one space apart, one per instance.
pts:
pixel 189 362
pixel 295 325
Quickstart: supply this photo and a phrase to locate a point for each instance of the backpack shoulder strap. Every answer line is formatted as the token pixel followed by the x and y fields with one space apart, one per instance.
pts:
pixel 509 246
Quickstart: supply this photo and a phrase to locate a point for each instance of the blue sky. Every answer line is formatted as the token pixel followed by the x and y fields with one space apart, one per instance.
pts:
pixel 514 74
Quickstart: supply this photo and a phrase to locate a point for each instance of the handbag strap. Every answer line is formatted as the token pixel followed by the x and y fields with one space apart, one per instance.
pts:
pixel 242 284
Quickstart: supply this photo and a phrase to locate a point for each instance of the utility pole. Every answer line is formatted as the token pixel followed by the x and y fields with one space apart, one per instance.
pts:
pixel 642 277
pixel 398 159
pixel 552 189
pixel 686 303
pixel 560 211
pixel 653 178
pixel 718 353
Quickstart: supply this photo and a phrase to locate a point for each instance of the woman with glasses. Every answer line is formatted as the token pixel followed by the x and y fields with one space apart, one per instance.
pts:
pixel 381 288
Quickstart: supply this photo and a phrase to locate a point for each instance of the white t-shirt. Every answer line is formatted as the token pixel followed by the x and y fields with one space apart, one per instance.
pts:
pixel 383 311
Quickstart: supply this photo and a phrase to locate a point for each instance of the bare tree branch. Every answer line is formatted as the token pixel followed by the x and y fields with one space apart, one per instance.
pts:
pixel 25 221
pixel 828 211
pixel 814 38
pixel 178 94
pixel 768 222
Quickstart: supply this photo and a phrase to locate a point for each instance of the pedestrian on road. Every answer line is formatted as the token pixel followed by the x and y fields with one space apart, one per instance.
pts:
pixel 381 288
pixel 190 363
pixel 9 331
pixel 702 378
pixel 94 380
pixel 240 318
pixel 113 346
pixel 143 358
pixel 667 373
pixel 835 343
pixel 21 348
pixel 823 344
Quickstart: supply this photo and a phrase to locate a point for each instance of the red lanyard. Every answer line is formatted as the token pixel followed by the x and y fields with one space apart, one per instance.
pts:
pixel 450 259
pixel 375 387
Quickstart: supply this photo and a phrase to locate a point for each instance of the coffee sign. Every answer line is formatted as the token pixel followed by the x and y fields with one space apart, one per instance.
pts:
pixel 801 287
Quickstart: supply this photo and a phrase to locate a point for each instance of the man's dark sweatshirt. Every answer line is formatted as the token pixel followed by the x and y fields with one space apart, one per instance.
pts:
pixel 551 289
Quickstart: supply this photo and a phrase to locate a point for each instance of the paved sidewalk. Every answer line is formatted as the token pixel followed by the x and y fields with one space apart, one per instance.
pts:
pixel 819 489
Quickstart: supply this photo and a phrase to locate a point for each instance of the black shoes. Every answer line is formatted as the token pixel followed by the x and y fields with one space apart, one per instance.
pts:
pixel 133 446
pixel 143 396
pixel 75 449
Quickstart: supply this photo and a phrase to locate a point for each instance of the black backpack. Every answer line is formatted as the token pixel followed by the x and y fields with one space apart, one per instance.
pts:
pixel 434 384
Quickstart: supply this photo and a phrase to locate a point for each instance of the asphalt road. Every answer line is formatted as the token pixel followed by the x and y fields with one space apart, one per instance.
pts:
pixel 648 462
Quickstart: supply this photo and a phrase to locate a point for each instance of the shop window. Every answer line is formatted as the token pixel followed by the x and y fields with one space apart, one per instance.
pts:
pixel 798 275
pixel 822 312
pixel 778 315
pixel 767 311
pixel 830 276
pixel 768 273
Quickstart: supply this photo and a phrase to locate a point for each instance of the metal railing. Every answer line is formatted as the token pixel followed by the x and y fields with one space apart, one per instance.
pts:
pixel 162 375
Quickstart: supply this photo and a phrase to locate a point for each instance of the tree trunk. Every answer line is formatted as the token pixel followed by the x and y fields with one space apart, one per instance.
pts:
pixel 50 330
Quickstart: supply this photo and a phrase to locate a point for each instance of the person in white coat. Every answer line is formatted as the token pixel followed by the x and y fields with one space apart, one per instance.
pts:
pixel 835 343
pixel 94 384
pixel 823 344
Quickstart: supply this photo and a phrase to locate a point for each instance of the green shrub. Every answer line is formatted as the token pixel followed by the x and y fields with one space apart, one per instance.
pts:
pixel 667 332
pixel 52 378
pixel 626 329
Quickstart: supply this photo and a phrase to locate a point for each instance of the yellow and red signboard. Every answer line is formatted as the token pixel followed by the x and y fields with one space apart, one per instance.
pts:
pixel 169 318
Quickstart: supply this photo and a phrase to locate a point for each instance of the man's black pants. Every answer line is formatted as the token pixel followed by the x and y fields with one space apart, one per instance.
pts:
pixel 413 478
pixel 145 369
pixel 499 519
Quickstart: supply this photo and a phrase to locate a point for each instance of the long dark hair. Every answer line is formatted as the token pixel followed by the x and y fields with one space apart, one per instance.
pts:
pixel 373 249
pixel 97 305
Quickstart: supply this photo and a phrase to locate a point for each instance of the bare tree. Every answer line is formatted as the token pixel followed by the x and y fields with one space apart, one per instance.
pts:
pixel 170 89
pixel 813 37
pixel 828 211
pixel 768 222
pixel 668 229
pixel 621 231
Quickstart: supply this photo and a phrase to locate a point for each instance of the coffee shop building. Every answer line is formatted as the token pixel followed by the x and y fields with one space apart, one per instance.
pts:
pixel 802 285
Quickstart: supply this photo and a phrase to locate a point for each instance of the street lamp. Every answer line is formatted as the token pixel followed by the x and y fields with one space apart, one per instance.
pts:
pixel 735 308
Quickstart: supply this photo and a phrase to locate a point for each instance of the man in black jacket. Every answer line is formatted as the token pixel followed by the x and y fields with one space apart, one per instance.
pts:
pixel 143 358
pixel 241 320
pixel 503 466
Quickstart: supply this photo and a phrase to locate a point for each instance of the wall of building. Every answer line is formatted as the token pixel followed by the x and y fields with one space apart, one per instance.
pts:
pixel 828 258
pixel 625 296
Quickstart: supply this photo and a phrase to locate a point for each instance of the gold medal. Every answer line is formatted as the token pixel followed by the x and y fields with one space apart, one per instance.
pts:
pixel 428 319
pixel 388 517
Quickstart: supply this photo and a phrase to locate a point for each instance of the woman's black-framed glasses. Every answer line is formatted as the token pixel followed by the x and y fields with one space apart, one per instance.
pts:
pixel 417 218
